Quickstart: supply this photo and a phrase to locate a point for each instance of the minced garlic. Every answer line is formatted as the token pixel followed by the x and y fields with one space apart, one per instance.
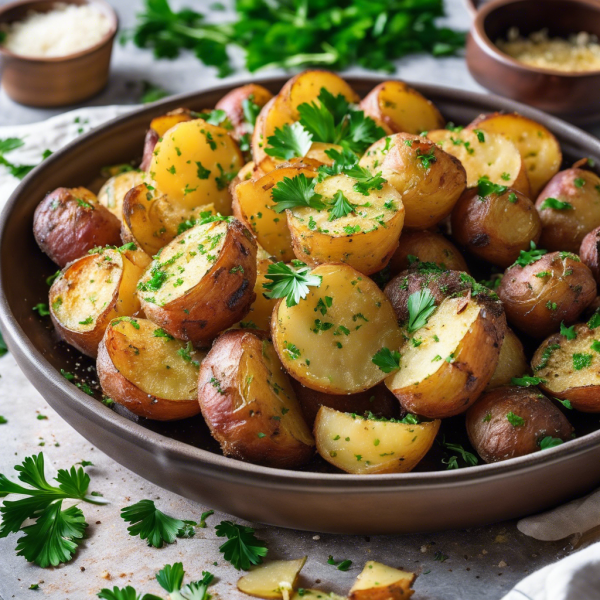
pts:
pixel 578 52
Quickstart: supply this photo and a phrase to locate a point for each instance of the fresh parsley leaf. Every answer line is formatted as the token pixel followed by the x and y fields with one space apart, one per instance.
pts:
pixel 242 549
pixel 387 360
pixel 485 187
pixel 289 141
pixel 126 593
pixel 290 282
pixel 198 590
pixel 594 321
pixel 3 346
pixel 342 565
pixel 341 207
pixel 216 117
pixel 9 144
pixel 360 133
pixel 515 420
pixel 152 93
pixel 42 309
pixel 581 361
pixel 426 159
pixel 296 192
pixel 566 403
pixel 555 204
pixel 170 577
pixel 568 332
pixel 530 256
pixel 251 110
pixel 549 442
pixel 421 305
pixel 467 457
pixel 526 381
pixel 365 180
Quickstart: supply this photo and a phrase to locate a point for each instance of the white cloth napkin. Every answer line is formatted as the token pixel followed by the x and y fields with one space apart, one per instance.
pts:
pixel 576 577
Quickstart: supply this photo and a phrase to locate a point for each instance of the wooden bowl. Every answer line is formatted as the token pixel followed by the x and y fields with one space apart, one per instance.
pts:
pixel 61 80
pixel 572 96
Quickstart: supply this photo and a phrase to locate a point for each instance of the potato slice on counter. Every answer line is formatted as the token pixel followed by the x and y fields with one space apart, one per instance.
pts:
pixel 202 282
pixel 360 229
pixel 538 146
pixel 249 404
pixel 512 361
pixel 448 362
pixel 90 293
pixel 275 579
pixel 361 445
pixel 380 582
pixel 328 340
pixel 485 154
pixel 143 368
pixel 113 192
pixel 316 595
pixel 401 108
pixel 194 163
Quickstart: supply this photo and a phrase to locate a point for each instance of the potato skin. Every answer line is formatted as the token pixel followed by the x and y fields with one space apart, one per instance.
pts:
pixel 495 228
pixel 589 252
pixel 495 438
pixel 150 142
pixel 529 300
pixel 69 221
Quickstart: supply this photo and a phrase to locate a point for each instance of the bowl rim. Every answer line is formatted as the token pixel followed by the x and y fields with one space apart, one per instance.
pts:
pixel 192 457
pixel 489 47
pixel 108 11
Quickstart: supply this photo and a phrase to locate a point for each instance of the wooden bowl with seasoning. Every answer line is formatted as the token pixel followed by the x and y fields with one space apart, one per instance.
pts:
pixel 68 78
pixel 571 95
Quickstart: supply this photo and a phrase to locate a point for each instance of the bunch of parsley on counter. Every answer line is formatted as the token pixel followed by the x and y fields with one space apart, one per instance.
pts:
pixel 300 33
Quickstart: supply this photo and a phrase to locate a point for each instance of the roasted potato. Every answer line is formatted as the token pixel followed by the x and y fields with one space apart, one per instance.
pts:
pixel 271 579
pixel 113 192
pixel 202 282
pixel 570 366
pixel 429 247
pixel 400 108
pixel 569 207
pixel 538 146
pixel 512 361
pixel 380 582
pixel 497 226
pixel 589 252
pixel 163 123
pixel 361 445
pixel 194 163
pixel 90 293
pixel 69 222
pixel 429 179
pixel 448 362
pixel 364 234
pixel 143 368
pixel 328 339
pixel 511 421
pixel 485 154
pixel 550 289
pixel 273 115
pixel 249 404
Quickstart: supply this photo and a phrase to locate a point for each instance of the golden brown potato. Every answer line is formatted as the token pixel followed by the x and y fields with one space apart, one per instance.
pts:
pixel 202 282
pixel 497 226
pixel 273 115
pixel 569 366
pixel 588 252
pixel 272 579
pixel 401 108
pixel 248 402
pixel 538 146
pixel 361 445
pixel 448 362
pixel 429 179
pixel 512 361
pixel 143 368
pixel 380 582
pixel 90 293
pixel 426 246
pixel 163 123
pixel 540 295
pixel 69 221
pixel 569 207
pixel 113 192
pixel 512 421
pixel 485 154
pixel 328 339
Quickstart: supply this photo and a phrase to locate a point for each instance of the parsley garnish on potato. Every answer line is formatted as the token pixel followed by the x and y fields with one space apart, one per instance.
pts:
pixel 290 281
pixel 421 305
pixel 530 256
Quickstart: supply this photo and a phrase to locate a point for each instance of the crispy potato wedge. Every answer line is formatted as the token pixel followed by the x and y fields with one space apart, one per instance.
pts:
pixel 571 368
pixel 496 227
pixel 589 252
pixel 327 341
pixel 271 579
pixel 512 361
pixel 143 368
pixel 495 157
pixel 365 238
pixel 401 108
pixel 90 293
pixel 380 582
pixel 249 404
pixel 512 421
pixel 194 163
pixel 202 282
pixel 360 445
pixel 113 192
pixel 69 222
pixel 538 146
pixel 439 379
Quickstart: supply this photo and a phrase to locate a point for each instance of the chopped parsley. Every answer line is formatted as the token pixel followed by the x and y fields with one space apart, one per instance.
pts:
pixel 555 204
pixel 515 420
pixel 387 360
pixel 530 256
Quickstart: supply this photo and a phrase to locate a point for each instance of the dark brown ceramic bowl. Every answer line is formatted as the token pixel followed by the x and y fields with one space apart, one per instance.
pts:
pixel 57 81
pixel 572 96
pixel 182 457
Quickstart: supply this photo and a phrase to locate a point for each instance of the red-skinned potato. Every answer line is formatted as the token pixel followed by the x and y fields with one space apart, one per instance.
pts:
pixel 248 402
pixel 150 142
pixel 512 361
pixel 512 421
pixel 589 252
pixel 69 221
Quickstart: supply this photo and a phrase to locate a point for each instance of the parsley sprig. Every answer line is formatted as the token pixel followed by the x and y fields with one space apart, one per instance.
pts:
pixel 295 192
pixel 341 207
pixel 421 305
pixel 290 281
pixel 486 188
pixel 468 458
pixel 530 256
pixel 387 360
pixel 289 141
pixel 346 162
pixel 242 549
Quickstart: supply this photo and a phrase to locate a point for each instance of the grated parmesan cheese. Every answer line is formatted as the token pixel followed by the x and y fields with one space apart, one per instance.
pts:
pixel 579 52
pixel 66 29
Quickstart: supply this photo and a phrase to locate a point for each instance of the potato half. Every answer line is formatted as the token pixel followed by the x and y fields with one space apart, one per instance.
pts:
pixel 90 293
pixel 589 252
pixel 271 579
pixel 143 368
pixel 380 582
pixel 447 363
pixel 360 445
pixel 113 192
pixel 202 282
pixel 249 404
pixel 512 361
pixel 306 594
pixel 327 341
pixel 365 238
